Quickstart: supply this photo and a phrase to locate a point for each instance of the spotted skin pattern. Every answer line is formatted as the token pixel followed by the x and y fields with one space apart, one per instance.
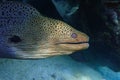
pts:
pixel 26 34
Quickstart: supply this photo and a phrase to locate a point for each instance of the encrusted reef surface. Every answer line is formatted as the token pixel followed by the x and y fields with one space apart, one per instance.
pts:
pixel 55 68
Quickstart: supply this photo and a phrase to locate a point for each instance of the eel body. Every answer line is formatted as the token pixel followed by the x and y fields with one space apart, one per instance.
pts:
pixel 26 34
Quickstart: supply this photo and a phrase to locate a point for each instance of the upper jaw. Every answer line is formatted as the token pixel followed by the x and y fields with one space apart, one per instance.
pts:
pixel 73 42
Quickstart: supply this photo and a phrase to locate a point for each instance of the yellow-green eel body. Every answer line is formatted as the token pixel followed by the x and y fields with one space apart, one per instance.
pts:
pixel 26 34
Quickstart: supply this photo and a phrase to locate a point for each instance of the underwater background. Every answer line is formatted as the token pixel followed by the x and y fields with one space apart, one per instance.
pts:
pixel 100 19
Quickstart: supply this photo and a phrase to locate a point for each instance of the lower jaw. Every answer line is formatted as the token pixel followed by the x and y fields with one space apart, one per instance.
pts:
pixel 75 47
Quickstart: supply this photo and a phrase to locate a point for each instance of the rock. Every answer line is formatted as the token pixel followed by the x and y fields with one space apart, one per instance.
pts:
pixel 54 68
pixel 66 8
pixel 109 74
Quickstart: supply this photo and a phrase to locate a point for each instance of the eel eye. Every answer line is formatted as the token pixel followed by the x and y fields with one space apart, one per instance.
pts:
pixel 74 35
pixel 15 39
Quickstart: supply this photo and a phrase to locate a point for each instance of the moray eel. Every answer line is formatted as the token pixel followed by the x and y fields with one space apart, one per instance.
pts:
pixel 26 34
